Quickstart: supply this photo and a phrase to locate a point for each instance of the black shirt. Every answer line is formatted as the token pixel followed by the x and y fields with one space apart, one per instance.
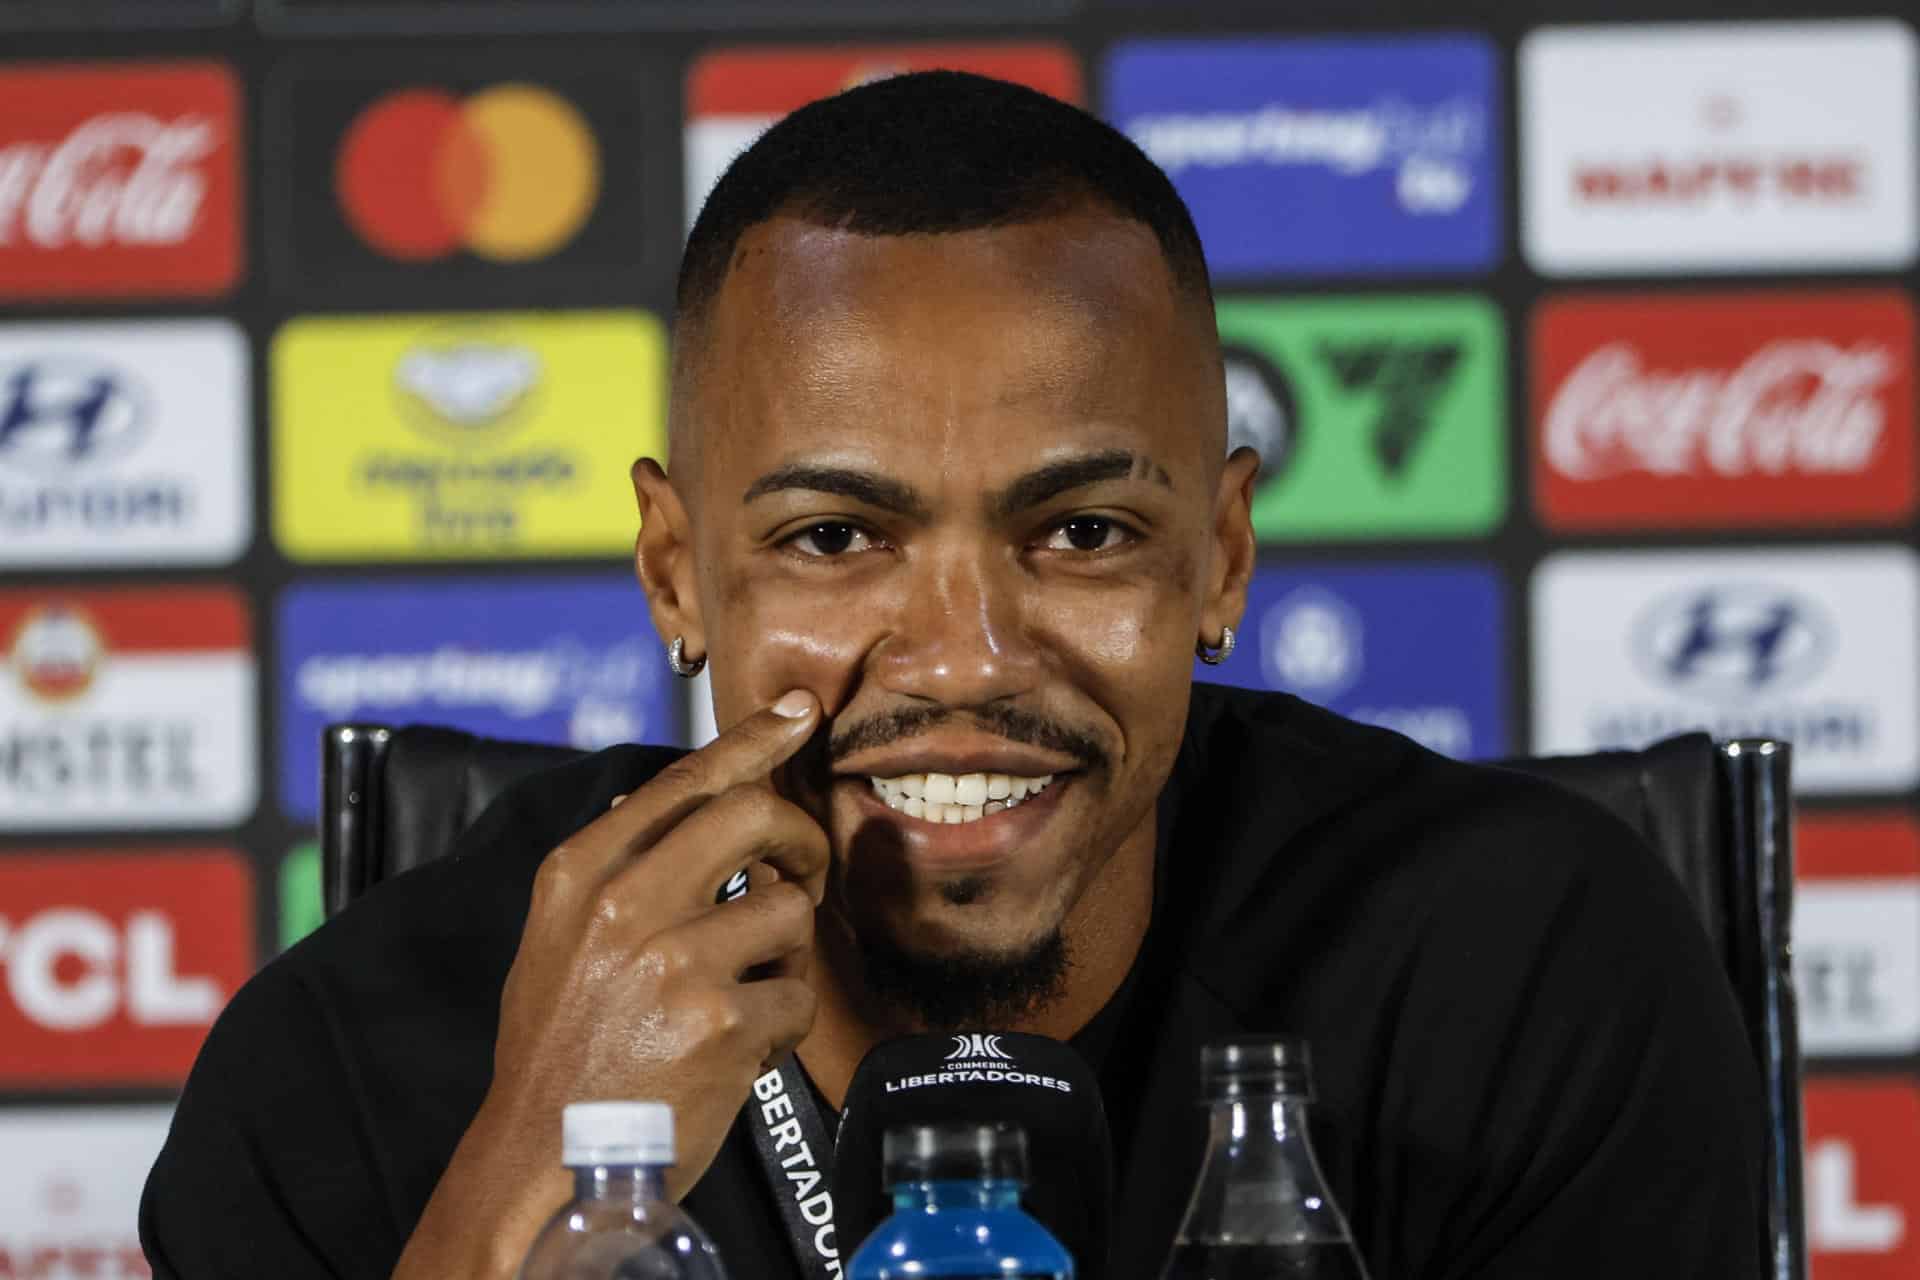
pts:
pixel 1528 1061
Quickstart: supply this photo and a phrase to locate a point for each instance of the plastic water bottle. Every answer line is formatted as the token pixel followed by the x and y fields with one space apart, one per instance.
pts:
pixel 1261 1209
pixel 956 1210
pixel 620 1224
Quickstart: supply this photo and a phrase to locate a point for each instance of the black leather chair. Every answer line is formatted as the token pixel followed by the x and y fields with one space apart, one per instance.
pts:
pixel 1719 815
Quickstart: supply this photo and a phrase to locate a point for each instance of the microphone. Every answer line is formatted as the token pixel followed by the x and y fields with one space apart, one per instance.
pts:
pixel 1039 1084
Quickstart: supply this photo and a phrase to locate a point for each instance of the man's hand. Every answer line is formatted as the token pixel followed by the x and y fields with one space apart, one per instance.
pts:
pixel 631 982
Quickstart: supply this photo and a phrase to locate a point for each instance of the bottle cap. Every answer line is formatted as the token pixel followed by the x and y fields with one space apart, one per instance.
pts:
pixel 1256 1066
pixel 954 1153
pixel 616 1133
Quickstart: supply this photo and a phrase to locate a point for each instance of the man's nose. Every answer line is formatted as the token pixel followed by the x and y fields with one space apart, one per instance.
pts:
pixel 961 637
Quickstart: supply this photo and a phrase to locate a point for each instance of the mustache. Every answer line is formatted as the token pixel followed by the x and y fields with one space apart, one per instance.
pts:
pixel 1011 723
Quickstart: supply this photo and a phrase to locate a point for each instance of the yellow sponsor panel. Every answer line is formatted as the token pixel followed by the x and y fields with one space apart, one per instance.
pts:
pixel 426 437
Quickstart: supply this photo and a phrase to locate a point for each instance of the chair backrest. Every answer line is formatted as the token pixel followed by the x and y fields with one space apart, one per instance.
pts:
pixel 1718 814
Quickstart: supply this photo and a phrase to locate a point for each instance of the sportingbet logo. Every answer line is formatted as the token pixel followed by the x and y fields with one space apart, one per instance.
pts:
pixel 1389 413
pixel 118 179
pixel 115 965
pixel 1383 154
pixel 1733 409
pixel 554 660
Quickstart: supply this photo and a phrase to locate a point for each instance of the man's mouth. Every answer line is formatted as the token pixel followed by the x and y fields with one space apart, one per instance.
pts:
pixel 953 799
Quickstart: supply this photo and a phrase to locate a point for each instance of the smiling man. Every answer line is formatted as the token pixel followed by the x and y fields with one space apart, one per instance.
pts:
pixel 948 513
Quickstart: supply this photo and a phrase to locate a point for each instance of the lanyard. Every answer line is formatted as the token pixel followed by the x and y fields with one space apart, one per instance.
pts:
pixel 796 1154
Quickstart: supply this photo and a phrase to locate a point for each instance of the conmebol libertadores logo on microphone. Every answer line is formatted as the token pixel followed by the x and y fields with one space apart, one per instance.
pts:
pixel 977 1058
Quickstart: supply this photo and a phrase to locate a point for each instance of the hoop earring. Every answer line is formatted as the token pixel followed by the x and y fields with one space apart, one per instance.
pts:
pixel 1213 657
pixel 676 658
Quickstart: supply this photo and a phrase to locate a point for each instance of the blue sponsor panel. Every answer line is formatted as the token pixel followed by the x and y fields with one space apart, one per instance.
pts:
pixel 1323 157
pixel 568 660
pixel 1417 648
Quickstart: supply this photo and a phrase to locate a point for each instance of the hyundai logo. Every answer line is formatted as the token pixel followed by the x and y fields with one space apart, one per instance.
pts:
pixel 58 413
pixel 1732 643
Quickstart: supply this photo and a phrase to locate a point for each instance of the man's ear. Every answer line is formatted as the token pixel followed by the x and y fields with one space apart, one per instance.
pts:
pixel 663 559
pixel 1233 546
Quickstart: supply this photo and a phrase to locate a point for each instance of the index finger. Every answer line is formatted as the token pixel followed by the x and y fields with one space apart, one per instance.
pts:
pixel 748 752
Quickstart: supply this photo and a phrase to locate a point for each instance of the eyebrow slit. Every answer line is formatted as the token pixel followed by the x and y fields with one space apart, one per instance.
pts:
pixel 1145 468
pixel 1064 476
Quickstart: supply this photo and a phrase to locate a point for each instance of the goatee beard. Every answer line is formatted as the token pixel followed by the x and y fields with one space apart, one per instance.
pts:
pixel 965 989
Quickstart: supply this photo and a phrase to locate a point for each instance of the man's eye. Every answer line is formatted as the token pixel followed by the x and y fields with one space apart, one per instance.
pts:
pixel 1087 533
pixel 830 539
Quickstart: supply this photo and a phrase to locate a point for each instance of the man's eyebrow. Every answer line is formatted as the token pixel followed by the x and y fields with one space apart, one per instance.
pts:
pixel 1056 478
pixel 847 482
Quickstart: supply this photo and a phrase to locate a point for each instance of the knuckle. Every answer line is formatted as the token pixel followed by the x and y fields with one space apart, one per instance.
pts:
pixel 685 774
pixel 556 876
pixel 609 912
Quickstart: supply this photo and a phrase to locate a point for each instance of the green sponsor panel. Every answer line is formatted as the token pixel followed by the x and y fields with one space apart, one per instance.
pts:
pixel 300 907
pixel 1376 416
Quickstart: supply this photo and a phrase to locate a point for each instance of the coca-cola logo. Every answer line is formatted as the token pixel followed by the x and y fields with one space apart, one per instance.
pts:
pixel 1791 407
pixel 1744 409
pixel 118 179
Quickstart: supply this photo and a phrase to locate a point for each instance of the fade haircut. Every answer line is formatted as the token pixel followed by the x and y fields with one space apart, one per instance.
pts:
pixel 928 152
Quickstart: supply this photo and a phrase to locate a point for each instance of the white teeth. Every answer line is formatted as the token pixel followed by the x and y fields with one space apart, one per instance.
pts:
pixel 949 798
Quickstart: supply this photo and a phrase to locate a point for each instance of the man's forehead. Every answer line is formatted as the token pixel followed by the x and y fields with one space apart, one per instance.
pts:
pixel 1057 307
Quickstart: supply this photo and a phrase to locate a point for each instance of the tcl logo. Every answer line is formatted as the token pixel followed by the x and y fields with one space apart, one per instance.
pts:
pixel 1863 1178
pixel 1729 410
pixel 118 180
pixel 112 967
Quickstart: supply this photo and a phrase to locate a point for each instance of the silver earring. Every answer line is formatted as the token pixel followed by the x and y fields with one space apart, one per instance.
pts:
pixel 1214 658
pixel 676 658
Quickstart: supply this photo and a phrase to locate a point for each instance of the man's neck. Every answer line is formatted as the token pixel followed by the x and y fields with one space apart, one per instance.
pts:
pixel 1104 932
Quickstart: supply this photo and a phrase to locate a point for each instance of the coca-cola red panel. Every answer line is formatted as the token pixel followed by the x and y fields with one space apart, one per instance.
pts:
pixel 113 965
pixel 1731 410
pixel 119 180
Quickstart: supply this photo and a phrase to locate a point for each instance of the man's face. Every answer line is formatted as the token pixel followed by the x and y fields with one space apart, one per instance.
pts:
pixel 967 489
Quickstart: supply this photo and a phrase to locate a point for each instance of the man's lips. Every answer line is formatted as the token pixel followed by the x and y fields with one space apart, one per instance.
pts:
pixel 975 845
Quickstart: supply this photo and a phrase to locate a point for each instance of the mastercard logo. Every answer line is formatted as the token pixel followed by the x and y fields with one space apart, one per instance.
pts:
pixel 510 173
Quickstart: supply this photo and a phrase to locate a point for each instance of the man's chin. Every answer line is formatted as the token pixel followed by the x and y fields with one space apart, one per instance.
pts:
pixel 937 979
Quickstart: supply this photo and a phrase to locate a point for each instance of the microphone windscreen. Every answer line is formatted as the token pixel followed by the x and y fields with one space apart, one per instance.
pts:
pixel 1036 1083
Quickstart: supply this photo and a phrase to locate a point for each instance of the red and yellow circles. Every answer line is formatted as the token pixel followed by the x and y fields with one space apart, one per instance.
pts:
pixel 510 173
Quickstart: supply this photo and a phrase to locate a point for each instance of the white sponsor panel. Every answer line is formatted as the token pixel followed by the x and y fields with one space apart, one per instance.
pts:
pixel 100 733
pixel 1857 965
pixel 1679 148
pixel 1816 646
pixel 124 443
pixel 70 1189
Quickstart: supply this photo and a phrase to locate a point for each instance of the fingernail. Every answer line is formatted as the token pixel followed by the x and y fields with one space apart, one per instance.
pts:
pixel 794 705
pixel 615 803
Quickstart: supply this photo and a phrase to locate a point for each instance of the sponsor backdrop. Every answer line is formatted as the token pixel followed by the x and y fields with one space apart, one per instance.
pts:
pixel 1577 339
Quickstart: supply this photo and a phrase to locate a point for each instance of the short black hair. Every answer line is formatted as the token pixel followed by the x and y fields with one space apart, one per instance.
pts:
pixel 934 151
